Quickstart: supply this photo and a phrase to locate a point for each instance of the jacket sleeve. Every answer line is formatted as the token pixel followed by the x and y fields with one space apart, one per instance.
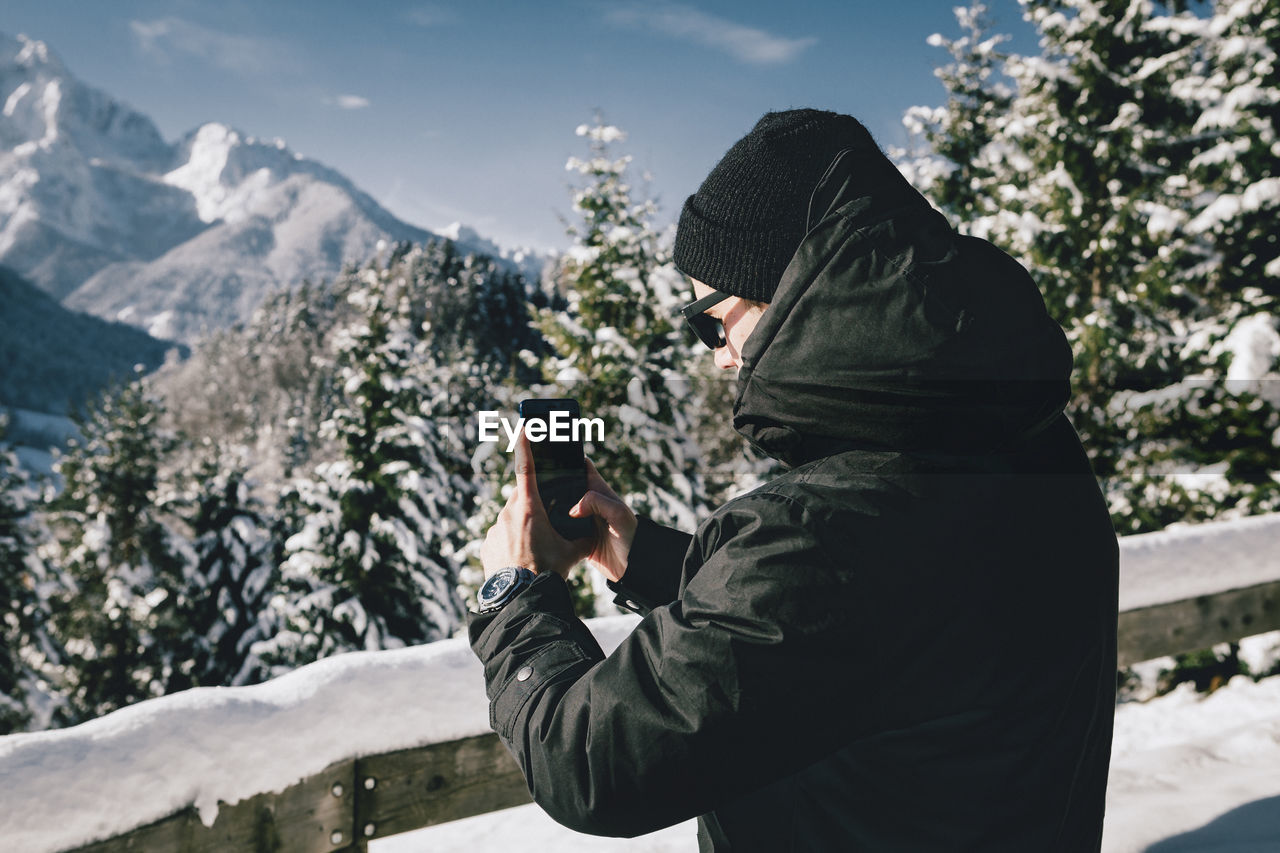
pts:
pixel 711 696
pixel 652 578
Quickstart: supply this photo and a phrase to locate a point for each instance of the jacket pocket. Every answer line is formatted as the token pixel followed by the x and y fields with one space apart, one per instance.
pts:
pixel 533 674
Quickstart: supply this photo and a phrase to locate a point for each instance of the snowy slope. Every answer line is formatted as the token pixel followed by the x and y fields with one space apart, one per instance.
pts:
pixel 529 828
pixel 98 210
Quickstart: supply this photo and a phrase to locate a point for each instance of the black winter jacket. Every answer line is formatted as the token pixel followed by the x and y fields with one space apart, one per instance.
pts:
pixel 905 643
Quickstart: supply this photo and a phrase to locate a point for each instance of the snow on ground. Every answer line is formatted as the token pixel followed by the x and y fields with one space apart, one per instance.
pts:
pixel 1197 773
pixel 33 435
pixel 528 829
pixel 35 460
pixel 1188 773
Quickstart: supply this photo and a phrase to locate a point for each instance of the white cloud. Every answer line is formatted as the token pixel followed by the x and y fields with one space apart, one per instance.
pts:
pixel 167 38
pixel 351 102
pixel 744 43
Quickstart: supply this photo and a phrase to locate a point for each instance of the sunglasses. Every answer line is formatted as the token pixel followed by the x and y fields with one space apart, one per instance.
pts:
pixel 708 329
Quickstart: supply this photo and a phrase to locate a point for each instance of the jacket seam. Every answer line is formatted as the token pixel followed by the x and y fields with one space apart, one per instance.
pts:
pixel 775 497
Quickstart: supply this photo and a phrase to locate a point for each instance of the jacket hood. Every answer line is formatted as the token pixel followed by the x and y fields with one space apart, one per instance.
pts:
pixel 890 331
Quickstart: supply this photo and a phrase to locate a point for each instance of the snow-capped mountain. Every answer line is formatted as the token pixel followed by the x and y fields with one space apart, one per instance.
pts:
pixel 100 211
pixel 77 190
pixel 267 218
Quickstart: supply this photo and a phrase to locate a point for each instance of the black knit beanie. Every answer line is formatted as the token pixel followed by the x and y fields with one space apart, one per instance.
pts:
pixel 738 232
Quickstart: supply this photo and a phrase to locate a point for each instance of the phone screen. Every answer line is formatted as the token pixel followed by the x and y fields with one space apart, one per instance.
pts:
pixel 560 466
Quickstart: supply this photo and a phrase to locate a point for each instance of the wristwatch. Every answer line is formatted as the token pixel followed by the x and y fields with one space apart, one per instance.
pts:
pixel 502 586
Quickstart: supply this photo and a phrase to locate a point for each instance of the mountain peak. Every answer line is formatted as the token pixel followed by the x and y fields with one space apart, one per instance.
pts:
pixel 28 53
pixel 227 172
pixel 207 150
pixel 456 231
pixel 46 107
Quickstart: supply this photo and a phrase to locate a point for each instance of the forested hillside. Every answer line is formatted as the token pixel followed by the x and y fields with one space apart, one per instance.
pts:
pixel 54 360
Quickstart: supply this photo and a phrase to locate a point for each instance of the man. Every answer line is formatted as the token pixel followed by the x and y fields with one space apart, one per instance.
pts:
pixel 906 642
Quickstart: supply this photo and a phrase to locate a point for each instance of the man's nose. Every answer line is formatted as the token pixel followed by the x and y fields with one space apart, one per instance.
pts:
pixel 725 359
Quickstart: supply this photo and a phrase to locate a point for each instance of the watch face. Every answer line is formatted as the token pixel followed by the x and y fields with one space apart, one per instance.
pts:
pixel 497 585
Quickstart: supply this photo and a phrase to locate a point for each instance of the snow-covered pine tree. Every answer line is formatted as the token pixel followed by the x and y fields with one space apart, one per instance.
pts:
pixel 373 566
pixel 1087 172
pixel 960 167
pixel 234 574
pixel 1221 245
pixel 479 311
pixel 270 385
pixel 119 618
pixel 482 328
pixel 26 654
pixel 1232 86
pixel 617 350
pixel 1102 133
pixel 1216 428
pixel 247 405
pixel 1100 130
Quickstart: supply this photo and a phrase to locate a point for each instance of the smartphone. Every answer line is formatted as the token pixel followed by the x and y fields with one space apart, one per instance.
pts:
pixel 560 466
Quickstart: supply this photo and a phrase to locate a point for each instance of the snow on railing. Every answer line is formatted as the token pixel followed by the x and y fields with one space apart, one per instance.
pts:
pixel 1189 587
pixel 372 744
pixel 172 765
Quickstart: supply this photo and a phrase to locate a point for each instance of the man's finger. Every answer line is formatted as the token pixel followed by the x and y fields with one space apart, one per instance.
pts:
pixel 596 483
pixel 526 477
pixel 595 503
pixel 583 507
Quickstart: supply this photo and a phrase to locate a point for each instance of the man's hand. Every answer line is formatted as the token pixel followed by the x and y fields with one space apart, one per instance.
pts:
pixel 523 535
pixel 615 525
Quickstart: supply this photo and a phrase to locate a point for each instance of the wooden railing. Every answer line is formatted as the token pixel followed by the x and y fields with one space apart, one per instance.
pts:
pixel 1198 585
pixel 354 801
pixel 1198 623
pixel 348 804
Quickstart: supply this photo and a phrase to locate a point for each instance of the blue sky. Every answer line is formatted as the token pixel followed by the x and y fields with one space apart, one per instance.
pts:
pixel 465 111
